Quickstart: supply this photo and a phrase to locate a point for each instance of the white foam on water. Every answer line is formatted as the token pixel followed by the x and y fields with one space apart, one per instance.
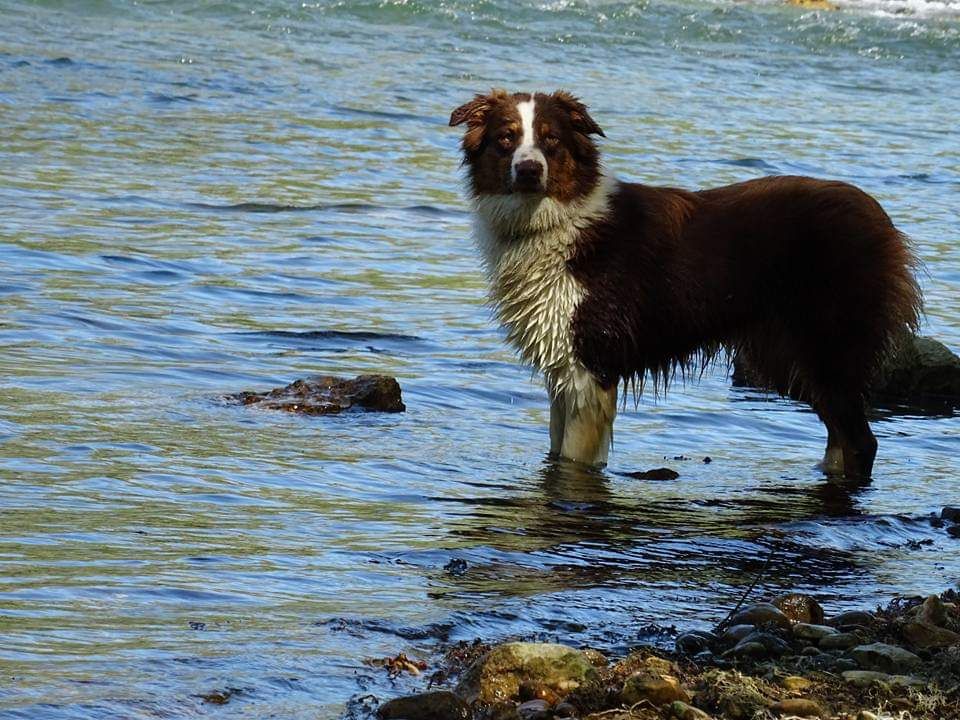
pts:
pixel 901 8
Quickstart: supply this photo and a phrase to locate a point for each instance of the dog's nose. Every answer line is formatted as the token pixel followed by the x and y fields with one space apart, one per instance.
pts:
pixel 529 172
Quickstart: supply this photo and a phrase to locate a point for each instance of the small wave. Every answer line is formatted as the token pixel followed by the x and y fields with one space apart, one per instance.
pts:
pixel 899 8
pixel 358 335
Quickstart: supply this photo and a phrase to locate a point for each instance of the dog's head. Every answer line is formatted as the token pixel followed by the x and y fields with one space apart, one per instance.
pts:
pixel 531 144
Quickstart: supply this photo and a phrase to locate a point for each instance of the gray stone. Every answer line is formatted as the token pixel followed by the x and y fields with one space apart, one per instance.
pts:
pixel 885 658
pixel 733 635
pixel 857 618
pixel 866 678
pixel 440 705
pixel 925 635
pixel 696 641
pixel 813 632
pixel 498 675
pixel 920 367
pixel 775 646
pixel 745 650
pixel 840 641
pixel 534 710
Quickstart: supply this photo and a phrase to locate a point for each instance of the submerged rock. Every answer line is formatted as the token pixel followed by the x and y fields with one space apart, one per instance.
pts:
pixel 328 395
pixel 541 668
pixel 920 368
pixel 663 473
pixel 440 705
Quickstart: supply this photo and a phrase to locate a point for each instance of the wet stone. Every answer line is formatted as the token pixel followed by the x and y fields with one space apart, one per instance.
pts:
pixel 440 705
pixel 328 395
pixel 748 650
pixel 534 710
pixel 761 614
pixel 682 711
pixel 696 641
pixel 933 611
pixel 840 641
pixel 885 658
pixel 951 513
pixel 774 646
pixel 800 608
pixel 926 635
pixel 798 707
pixel 539 668
pixel 795 683
pixel 736 633
pixel 859 618
pixel 813 632
pixel 654 474
pixel 565 710
pixel 655 689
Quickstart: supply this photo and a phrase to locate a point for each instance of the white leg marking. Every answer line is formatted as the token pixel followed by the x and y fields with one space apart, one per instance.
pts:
pixel 527 150
pixel 582 419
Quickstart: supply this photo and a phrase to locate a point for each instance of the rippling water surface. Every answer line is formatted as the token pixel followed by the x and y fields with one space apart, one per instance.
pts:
pixel 202 198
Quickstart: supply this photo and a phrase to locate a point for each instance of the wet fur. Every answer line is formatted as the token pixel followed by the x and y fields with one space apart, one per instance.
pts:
pixel 807 279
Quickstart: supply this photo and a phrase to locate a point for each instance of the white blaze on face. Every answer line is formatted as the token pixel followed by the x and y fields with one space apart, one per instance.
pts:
pixel 527 150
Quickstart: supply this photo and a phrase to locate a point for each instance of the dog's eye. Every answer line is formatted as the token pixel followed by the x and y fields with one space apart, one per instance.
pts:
pixel 505 141
pixel 550 143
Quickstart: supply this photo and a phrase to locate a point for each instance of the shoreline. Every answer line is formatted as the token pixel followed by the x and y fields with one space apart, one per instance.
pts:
pixel 782 658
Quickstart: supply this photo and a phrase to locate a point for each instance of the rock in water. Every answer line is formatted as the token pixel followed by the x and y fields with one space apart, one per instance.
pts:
pixel 328 395
pixel 655 474
pixel 920 368
pixel 800 608
pixel 499 675
pixel 761 614
pixel 441 705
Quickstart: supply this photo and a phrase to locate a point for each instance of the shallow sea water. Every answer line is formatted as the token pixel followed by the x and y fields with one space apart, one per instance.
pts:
pixel 197 199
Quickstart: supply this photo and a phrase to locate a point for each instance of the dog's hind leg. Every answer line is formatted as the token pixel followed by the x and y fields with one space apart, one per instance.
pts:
pixel 832 463
pixel 849 438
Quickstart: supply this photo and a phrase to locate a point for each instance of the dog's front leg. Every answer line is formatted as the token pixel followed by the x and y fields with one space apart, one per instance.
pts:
pixel 581 420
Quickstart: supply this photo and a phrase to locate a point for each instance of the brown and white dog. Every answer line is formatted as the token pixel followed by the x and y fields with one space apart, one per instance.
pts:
pixel 599 282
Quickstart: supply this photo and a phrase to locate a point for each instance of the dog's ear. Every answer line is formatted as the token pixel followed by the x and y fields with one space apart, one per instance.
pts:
pixel 474 114
pixel 579 117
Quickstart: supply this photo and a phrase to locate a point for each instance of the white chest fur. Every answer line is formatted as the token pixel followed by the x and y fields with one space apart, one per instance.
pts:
pixel 526 244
